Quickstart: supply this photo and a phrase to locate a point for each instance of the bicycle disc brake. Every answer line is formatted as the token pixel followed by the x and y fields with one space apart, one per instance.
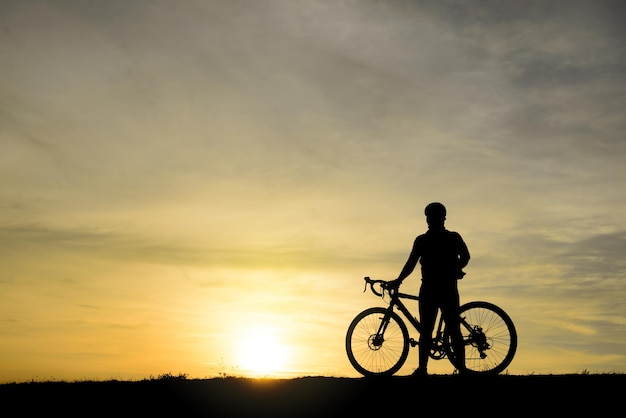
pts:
pixel 375 341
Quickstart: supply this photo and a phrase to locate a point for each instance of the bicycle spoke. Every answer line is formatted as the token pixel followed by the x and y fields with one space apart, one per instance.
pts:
pixel 491 340
pixel 372 354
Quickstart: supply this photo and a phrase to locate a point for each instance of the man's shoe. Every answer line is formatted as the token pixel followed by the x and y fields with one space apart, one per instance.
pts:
pixel 419 372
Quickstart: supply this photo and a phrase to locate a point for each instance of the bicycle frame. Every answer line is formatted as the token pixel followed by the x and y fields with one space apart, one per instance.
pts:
pixel 437 351
pixel 397 303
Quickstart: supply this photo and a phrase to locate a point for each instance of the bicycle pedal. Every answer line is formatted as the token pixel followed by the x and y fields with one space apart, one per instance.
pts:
pixel 413 342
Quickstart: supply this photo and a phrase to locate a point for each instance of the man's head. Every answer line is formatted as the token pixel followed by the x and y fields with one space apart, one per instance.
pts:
pixel 435 214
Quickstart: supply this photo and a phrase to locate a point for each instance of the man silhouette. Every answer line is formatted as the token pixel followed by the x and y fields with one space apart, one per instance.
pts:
pixel 442 255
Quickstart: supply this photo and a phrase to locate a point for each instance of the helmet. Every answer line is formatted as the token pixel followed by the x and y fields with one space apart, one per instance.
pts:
pixel 435 210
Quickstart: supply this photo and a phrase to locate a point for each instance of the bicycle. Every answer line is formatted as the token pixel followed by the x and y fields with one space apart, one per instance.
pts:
pixel 377 341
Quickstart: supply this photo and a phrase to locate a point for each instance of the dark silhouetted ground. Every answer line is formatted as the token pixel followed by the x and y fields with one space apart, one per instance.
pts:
pixel 319 397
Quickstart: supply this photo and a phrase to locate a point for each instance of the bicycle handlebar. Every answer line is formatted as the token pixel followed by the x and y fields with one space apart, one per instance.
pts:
pixel 383 285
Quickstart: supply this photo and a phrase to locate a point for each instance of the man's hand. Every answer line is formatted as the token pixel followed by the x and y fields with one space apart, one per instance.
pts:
pixel 394 284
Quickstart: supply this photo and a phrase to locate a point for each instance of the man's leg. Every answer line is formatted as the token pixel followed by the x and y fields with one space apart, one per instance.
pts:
pixel 450 312
pixel 428 315
pixel 457 342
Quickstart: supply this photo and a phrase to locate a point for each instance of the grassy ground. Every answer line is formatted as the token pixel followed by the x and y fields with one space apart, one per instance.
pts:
pixel 318 397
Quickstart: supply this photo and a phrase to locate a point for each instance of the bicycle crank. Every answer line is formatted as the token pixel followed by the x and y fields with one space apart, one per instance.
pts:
pixel 437 351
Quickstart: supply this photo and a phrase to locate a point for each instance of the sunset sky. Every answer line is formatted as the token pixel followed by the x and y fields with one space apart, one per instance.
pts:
pixel 200 186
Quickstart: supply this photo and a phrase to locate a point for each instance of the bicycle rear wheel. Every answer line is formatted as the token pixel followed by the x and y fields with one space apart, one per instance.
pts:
pixel 490 339
pixel 375 348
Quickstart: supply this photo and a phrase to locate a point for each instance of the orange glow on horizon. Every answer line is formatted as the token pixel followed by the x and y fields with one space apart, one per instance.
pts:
pixel 261 353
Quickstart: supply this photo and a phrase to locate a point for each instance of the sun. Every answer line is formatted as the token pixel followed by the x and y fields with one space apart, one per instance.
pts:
pixel 261 353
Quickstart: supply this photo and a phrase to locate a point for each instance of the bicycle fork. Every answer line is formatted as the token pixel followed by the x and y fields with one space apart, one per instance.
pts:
pixel 376 340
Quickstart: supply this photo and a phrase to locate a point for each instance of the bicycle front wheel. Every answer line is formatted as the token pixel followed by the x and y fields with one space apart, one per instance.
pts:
pixel 490 339
pixel 377 342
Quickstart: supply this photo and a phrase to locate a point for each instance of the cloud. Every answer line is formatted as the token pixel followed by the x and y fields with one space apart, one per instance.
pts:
pixel 213 139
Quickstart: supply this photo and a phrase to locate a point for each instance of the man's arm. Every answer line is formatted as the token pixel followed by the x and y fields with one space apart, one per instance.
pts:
pixel 410 264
